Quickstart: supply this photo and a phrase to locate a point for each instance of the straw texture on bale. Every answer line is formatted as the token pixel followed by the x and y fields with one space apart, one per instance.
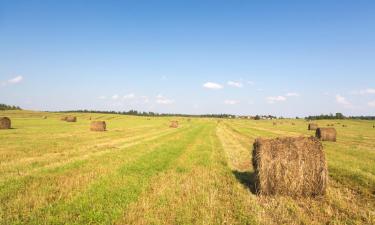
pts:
pixel 98 126
pixel 326 134
pixel 290 166
pixel 5 123
pixel 174 124
pixel 313 126
pixel 71 119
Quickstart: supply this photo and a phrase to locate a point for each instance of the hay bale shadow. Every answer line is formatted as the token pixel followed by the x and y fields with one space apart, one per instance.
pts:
pixel 247 179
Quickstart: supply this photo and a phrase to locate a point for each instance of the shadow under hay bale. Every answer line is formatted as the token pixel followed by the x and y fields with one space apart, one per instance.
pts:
pixel 247 179
pixel 98 126
pixel 5 123
pixel 313 126
pixel 326 134
pixel 71 119
pixel 290 166
pixel 174 124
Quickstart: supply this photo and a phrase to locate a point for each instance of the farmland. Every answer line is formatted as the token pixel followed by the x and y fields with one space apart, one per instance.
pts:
pixel 141 171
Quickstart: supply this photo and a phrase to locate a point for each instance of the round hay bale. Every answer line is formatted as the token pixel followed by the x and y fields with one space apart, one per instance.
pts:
pixel 5 123
pixel 44 117
pixel 326 134
pixel 293 124
pixel 290 166
pixel 63 118
pixel 274 123
pixel 71 119
pixel 174 124
pixel 98 126
pixel 313 126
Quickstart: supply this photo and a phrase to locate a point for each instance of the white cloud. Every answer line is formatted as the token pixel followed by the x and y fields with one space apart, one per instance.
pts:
pixel 273 99
pixel 342 100
pixel 235 84
pixel 115 97
pixel 292 94
pixel 211 85
pixel 129 96
pixel 15 80
pixel 367 91
pixel 371 104
pixel 102 97
pixel 231 102
pixel 160 99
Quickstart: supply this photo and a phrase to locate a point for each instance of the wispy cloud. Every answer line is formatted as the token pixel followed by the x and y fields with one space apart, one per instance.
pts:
pixel 235 84
pixel 129 96
pixel 160 99
pixel 274 99
pixel 115 96
pixel 342 100
pixel 212 85
pixel 292 94
pixel 371 104
pixel 231 102
pixel 14 80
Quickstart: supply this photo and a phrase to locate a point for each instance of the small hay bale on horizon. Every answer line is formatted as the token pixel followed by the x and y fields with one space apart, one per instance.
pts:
pixel 98 126
pixel 71 119
pixel 290 166
pixel 326 134
pixel 5 123
pixel 174 124
pixel 312 126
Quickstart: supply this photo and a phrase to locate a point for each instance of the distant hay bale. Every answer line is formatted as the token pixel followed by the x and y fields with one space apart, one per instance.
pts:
pixel 90 118
pixel 293 124
pixel 98 126
pixel 326 134
pixel 313 126
pixel 5 123
pixel 274 123
pixel 291 166
pixel 330 125
pixel 71 119
pixel 344 126
pixel 63 118
pixel 44 117
pixel 174 124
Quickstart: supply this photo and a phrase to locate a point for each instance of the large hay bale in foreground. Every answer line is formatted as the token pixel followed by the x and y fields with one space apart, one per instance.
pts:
pixel 98 126
pixel 5 123
pixel 174 124
pixel 313 126
pixel 71 119
pixel 326 134
pixel 290 166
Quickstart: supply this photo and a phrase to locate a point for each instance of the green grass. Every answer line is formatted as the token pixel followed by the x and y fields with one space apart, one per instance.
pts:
pixel 142 172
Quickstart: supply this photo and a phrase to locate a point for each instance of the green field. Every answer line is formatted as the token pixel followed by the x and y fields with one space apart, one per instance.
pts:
pixel 142 172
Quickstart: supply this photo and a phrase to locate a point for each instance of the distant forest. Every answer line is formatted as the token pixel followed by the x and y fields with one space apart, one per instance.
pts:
pixel 9 107
pixel 138 113
pixel 339 116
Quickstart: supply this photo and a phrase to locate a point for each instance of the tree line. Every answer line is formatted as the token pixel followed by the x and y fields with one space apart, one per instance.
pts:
pixel 9 107
pixel 140 113
pixel 338 116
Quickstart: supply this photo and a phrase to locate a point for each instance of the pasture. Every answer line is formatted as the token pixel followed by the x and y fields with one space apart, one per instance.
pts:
pixel 141 171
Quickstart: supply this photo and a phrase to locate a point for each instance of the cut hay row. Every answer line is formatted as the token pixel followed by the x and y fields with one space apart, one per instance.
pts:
pixel 290 166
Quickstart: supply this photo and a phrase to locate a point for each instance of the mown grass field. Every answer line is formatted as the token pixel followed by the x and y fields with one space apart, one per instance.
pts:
pixel 142 172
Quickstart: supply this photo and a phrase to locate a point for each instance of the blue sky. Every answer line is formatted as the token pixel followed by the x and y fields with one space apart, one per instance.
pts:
pixel 287 58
